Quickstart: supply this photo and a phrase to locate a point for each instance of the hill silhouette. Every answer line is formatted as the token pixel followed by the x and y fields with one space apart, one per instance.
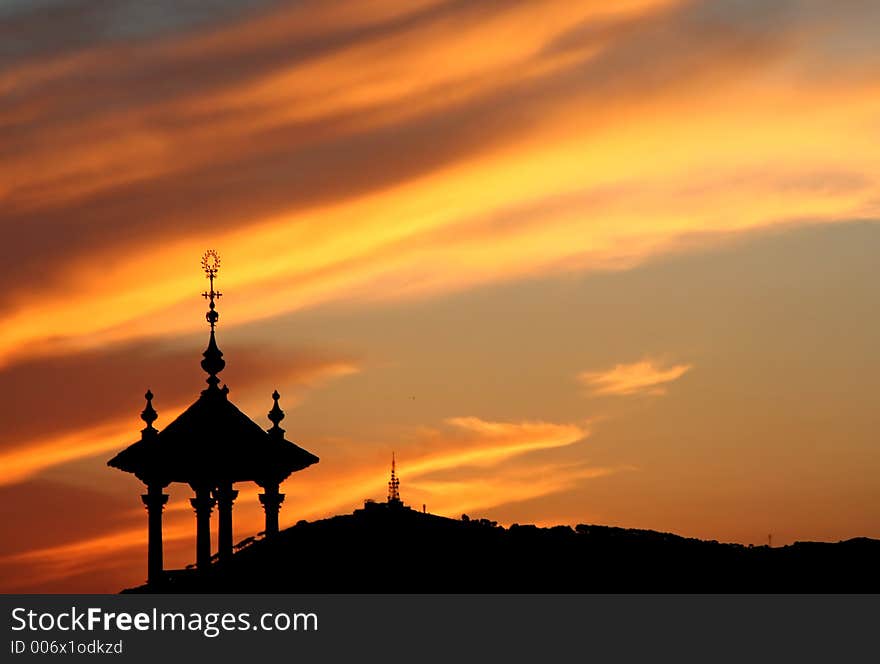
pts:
pixel 388 547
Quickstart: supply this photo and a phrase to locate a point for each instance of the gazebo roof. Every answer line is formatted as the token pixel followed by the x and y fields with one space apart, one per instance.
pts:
pixel 212 441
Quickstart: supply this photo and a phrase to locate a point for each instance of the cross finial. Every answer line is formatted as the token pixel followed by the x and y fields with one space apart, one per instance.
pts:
pixel 211 266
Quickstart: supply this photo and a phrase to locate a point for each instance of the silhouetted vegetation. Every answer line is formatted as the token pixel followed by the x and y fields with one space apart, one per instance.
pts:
pixel 384 548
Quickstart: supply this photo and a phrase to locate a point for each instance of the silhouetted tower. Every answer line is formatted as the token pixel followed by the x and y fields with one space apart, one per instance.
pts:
pixel 394 485
pixel 210 446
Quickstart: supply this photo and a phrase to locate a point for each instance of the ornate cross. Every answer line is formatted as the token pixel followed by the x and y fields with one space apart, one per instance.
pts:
pixel 211 265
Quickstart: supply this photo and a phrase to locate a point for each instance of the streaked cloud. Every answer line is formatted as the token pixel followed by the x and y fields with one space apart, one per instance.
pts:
pixel 461 442
pixel 266 132
pixel 643 377
pixel 480 493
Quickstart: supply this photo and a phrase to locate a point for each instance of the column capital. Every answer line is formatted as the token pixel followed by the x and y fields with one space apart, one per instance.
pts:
pixel 154 500
pixel 225 494
pixel 202 503
pixel 271 499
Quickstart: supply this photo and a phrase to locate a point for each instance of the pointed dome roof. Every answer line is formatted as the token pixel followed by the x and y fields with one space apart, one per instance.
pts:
pixel 210 442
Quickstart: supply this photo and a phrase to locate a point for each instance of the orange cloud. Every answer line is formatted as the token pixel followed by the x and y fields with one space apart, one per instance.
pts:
pixel 463 442
pixel 477 494
pixel 348 168
pixel 56 563
pixel 23 462
pixel 643 377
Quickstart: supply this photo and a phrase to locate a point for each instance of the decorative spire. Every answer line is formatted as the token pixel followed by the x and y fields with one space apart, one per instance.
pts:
pixel 149 415
pixel 275 416
pixel 211 266
pixel 393 485
pixel 213 362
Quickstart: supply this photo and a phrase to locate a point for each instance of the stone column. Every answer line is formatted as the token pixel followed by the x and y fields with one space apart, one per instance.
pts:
pixel 203 504
pixel 271 501
pixel 154 500
pixel 225 496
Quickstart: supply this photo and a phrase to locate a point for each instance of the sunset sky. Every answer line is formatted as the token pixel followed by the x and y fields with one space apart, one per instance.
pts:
pixel 573 262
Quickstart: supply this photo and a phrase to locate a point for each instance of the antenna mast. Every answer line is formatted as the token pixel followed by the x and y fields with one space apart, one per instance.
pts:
pixel 393 485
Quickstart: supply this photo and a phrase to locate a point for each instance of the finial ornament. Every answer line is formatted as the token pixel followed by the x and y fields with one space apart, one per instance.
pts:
pixel 149 414
pixel 211 266
pixel 276 415
pixel 213 362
